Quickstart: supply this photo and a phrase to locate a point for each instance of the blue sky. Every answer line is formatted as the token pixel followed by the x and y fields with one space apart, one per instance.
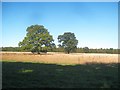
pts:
pixel 95 24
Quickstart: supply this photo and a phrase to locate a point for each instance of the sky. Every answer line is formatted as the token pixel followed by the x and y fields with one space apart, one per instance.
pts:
pixel 95 24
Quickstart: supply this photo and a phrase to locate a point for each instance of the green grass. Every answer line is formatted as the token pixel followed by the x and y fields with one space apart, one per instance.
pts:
pixel 36 75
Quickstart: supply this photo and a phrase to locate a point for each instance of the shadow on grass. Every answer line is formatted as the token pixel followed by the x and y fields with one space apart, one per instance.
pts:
pixel 36 75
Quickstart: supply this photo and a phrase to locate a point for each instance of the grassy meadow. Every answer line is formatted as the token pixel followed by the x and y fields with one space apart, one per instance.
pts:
pixel 59 58
pixel 58 70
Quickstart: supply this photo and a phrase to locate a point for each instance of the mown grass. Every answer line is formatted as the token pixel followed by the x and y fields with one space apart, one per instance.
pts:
pixel 36 75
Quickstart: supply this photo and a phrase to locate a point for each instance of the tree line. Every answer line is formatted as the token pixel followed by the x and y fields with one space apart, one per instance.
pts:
pixel 38 40
pixel 78 50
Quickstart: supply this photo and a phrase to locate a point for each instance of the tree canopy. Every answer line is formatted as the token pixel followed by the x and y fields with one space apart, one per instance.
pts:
pixel 68 41
pixel 86 49
pixel 37 39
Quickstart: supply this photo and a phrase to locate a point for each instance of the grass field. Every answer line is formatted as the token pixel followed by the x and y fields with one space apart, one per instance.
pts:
pixel 54 70
pixel 60 58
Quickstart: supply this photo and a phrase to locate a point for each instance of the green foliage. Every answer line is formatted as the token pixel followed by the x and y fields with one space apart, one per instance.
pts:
pixel 37 39
pixel 68 41
pixel 13 49
pixel 86 49
pixel 61 49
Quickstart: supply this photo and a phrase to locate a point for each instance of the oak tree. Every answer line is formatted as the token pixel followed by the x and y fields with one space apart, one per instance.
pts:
pixel 37 39
pixel 68 41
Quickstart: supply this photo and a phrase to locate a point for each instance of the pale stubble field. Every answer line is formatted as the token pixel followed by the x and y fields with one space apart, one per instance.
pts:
pixel 59 58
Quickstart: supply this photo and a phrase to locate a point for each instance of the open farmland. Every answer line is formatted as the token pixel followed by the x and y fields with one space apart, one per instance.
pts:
pixel 59 70
pixel 59 58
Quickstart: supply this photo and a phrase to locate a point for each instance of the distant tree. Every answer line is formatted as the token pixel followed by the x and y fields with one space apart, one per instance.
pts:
pixel 111 50
pixel 86 49
pixel 68 41
pixel 37 39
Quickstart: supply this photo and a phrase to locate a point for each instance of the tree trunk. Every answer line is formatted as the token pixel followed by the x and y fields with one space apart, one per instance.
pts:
pixel 68 52
pixel 38 52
